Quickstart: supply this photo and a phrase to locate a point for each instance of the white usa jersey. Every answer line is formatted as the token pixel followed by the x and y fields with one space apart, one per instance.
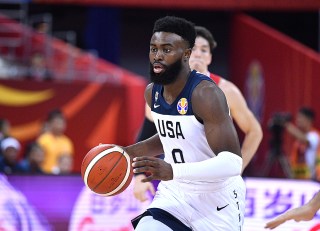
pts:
pixel 200 205
pixel 182 135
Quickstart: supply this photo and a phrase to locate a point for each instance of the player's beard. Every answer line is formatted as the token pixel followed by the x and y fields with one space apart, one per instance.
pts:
pixel 169 75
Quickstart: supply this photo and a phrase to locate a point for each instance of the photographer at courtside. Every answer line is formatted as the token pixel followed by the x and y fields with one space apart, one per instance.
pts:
pixel 305 156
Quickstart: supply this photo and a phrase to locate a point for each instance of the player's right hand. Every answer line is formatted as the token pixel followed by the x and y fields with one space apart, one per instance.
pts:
pixel 157 169
pixel 141 189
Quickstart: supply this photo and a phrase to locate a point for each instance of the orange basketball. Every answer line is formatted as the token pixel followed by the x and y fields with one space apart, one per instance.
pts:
pixel 106 170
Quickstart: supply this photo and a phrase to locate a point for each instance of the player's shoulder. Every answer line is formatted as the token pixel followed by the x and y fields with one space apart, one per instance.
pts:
pixel 149 87
pixel 206 90
pixel 204 79
pixel 201 79
pixel 229 88
pixel 148 93
pixel 235 98
pixel 208 99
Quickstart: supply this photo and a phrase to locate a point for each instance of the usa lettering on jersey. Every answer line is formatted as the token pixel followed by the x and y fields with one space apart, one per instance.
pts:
pixel 170 129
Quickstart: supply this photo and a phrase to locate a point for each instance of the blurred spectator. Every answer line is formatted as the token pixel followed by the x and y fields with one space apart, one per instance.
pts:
pixel 42 28
pixel 39 60
pixel 65 165
pixel 54 142
pixel 10 69
pixel 4 131
pixel 44 128
pixel 4 128
pixel 38 68
pixel 33 159
pixel 10 152
pixel 306 147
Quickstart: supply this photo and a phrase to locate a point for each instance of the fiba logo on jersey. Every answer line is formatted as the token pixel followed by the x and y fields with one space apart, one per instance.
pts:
pixel 182 106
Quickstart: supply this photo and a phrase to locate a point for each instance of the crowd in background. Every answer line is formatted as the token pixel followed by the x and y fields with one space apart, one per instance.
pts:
pixel 50 153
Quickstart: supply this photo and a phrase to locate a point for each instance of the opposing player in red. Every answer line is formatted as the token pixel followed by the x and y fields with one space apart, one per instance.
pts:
pixel 200 59
pixel 201 188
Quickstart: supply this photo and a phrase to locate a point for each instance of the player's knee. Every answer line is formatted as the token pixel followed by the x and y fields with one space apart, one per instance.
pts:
pixel 148 223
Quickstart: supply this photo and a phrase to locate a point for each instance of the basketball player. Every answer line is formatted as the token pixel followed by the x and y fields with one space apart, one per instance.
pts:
pixel 201 188
pixel 302 213
pixel 200 59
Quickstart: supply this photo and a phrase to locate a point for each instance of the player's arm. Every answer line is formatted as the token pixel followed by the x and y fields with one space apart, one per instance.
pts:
pixel 221 136
pixel 314 205
pixel 246 122
pixel 148 113
pixel 151 146
pixel 140 188
pixel 303 213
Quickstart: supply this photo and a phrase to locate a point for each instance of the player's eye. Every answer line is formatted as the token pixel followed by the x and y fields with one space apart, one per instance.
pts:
pixel 153 50
pixel 166 50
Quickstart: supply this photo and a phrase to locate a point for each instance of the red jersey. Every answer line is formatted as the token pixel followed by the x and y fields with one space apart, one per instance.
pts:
pixel 215 78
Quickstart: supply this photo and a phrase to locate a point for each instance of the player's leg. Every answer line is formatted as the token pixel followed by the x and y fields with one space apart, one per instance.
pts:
pixel 156 219
pixel 148 223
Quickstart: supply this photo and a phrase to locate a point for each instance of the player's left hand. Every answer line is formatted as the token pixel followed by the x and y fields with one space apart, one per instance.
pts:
pixel 141 189
pixel 157 168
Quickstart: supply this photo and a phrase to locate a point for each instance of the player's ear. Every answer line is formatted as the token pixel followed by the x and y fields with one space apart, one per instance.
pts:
pixel 187 53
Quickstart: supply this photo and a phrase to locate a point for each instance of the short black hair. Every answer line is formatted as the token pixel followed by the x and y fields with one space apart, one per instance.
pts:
pixel 206 34
pixel 55 113
pixel 308 112
pixel 176 25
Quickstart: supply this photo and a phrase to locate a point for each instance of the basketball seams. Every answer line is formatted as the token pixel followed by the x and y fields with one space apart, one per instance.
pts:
pixel 125 177
pixel 95 160
pixel 115 165
pixel 101 155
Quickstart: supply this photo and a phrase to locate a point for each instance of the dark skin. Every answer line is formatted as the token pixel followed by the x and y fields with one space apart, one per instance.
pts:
pixel 166 48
